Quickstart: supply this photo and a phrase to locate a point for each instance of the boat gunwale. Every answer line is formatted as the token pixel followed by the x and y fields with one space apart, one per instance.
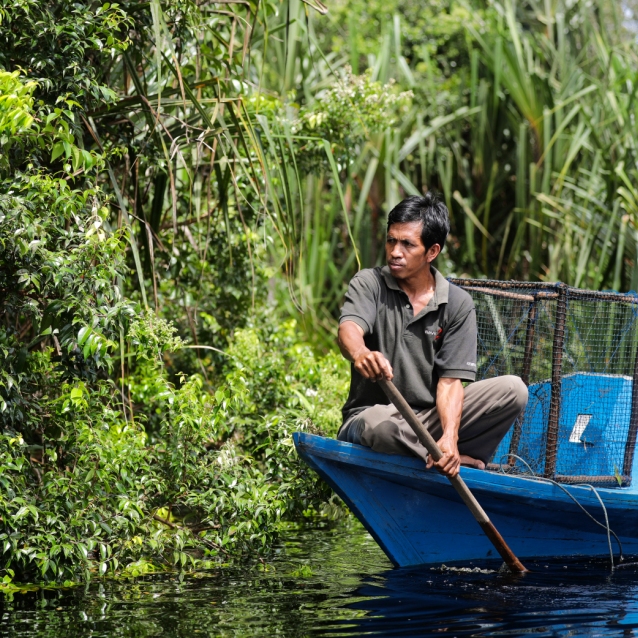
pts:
pixel 535 488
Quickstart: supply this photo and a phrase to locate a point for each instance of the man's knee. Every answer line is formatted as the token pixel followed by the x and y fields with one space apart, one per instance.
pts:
pixel 371 427
pixel 518 391
pixel 510 395
pixel 381 436
pixel 350 432
pixel 392 436
pixel 503 399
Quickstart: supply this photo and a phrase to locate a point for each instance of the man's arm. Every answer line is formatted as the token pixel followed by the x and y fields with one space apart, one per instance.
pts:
pixel 369 364
pixel 449 405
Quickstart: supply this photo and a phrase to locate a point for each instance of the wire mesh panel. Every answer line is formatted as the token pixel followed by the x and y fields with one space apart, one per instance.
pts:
pixel 576 351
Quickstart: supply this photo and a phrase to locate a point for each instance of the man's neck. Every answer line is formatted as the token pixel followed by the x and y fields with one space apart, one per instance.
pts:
pixel 420 283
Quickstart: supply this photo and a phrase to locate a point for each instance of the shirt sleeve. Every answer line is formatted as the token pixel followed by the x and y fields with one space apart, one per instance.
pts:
pixel 456 358
pixel 360 305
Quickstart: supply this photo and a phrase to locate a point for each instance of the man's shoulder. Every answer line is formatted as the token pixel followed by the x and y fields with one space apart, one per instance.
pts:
pixel 460 301
pixel 371 277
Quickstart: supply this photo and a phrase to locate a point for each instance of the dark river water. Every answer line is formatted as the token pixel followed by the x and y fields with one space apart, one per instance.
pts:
pixel 335 581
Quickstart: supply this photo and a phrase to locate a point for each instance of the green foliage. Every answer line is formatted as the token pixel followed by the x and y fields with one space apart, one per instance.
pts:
pixel 63 47
pixel 95 495
pixel 151 336
pixel 421 45
pixel 16 109
pixel 277 373
pixel 58 269
pixel 346 115
pixel 65 501
pixel 125 445
pixel 520 115
pixel 169 172
pixel 565 96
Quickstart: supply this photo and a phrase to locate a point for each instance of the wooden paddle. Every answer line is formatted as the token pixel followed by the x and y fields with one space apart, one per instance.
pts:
pixel 430 445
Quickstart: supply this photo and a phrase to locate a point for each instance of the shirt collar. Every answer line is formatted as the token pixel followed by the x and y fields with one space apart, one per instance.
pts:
pixel 390 281
pixel 441 290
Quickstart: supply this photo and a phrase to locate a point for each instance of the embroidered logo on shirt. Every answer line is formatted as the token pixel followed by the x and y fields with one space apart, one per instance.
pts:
pixel 436 335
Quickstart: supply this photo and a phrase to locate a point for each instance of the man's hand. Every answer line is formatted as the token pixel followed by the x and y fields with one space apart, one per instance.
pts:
pixel 450 463
pixel 368 363
pixel 372 365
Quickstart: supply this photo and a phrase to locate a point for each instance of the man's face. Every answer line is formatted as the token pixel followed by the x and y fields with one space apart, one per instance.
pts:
pixel 404 251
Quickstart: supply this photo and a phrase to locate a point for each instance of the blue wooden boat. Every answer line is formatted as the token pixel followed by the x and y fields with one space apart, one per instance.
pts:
pixel 578 353
pixel 416 516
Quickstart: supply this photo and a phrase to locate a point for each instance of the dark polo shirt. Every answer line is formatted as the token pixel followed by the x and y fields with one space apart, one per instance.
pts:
pixel 439 342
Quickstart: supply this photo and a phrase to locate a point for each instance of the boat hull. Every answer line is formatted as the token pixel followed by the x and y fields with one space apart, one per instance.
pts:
pixel 416 516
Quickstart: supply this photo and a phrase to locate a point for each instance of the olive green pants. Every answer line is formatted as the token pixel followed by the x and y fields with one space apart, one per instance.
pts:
pixel 489 410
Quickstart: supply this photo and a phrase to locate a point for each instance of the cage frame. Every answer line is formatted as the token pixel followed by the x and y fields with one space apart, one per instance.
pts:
pixel 562 293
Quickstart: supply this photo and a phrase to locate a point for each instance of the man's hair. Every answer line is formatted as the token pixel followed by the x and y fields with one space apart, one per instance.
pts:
pixel 428 209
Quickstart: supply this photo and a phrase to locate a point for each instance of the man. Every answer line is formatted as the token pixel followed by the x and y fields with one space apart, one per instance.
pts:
pixel 406 322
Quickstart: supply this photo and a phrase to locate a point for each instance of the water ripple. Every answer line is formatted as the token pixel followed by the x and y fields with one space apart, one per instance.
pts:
pixel 336 582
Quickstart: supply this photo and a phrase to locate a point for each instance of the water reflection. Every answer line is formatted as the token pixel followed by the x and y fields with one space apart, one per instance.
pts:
pixel 557 599
pixel 336 582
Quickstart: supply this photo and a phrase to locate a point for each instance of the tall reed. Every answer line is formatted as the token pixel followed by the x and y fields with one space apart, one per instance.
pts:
pixel 534 156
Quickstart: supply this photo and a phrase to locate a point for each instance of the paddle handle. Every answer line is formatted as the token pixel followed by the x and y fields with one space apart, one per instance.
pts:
pixel 459 484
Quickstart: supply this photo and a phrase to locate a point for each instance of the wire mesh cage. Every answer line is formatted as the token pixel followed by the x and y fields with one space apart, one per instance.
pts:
pixel 577 352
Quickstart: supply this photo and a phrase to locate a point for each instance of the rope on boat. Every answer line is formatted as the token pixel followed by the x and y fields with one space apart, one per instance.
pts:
pixel 600 500
pixel 610 532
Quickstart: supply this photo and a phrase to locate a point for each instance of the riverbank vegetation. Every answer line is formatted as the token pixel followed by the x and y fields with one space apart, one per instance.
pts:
pixel 185 190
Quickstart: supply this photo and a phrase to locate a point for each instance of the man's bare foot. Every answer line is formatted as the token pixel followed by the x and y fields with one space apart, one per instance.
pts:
pixel 468 461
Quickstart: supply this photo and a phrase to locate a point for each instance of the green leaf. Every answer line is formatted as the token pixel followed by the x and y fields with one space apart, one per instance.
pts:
pixel 21 512
pixel 75 152
pixel 58 149
pixel 83 334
